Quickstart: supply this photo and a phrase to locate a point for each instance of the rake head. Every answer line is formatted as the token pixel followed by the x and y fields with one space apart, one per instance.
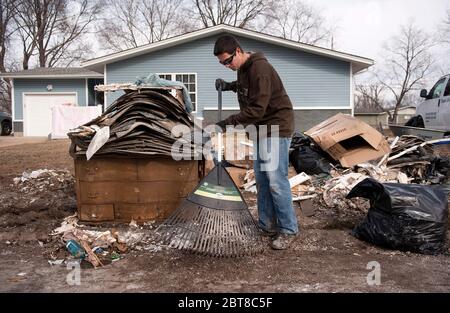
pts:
pixel 212 232
pixel 214 220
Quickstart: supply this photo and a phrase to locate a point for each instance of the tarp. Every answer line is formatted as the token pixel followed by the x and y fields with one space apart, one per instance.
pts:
pixel 155 81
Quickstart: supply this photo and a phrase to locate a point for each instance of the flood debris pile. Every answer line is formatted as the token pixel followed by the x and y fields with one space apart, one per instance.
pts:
pixel 99 245
pixel 417 159
pixel 334 159
pixel 144 122
pixel 411 170
pixel 44 179
pixel 37 196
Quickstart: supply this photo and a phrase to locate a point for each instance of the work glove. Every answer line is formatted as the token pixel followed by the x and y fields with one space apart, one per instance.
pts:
pixel 222 85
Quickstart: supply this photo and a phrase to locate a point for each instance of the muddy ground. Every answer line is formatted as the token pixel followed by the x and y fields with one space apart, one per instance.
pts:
pixel 324 258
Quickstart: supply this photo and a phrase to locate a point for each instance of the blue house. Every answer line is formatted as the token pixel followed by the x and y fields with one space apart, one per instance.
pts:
pixel 35 91
pixel 319 81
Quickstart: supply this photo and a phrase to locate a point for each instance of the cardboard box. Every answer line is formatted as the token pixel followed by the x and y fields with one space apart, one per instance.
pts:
pixel 349 140
pixel 120 190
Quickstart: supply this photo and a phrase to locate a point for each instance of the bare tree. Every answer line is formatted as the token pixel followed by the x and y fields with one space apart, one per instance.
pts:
pixel 54 29
pixel 132 23
pixel 408 62
pixel 7 30
pixel 446 28
pixel 370 97
pixel 300 22
pixel 239 13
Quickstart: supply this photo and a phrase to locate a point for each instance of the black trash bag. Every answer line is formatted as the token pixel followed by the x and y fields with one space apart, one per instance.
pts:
pixel 307 157
pixel 299 140
pixel 403 216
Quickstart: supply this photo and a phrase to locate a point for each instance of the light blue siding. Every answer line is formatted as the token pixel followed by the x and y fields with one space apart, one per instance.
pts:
pixel 40 85
pixel 310 80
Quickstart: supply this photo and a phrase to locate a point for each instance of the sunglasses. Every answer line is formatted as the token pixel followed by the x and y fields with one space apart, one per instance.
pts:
pixel 228 60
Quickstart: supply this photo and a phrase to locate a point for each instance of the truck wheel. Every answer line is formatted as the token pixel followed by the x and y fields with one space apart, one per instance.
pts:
pixel 6 128
pixel 415 121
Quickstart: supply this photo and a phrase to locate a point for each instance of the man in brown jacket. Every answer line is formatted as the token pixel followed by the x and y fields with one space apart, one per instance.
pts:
pixel 264 103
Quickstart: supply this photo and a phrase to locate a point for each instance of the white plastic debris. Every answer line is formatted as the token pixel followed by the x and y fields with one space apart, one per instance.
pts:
pixel 336 189
pixel 133 223
pixel 300 198
pixel 100 138
pixel 298 179
pixel 68 224
pixel 56 262
pixel 130 238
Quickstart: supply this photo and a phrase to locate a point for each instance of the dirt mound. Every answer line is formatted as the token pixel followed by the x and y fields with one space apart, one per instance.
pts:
pixel 37 198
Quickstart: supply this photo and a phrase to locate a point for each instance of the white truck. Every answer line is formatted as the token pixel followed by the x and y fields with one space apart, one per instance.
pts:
pixel 432 119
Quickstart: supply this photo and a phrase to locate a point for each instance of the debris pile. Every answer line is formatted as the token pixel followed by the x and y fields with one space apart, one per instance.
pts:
pixel 415 158
pixel 44 179
pixel 145 122
pixel 336 189
pixel 411 160
pixel 100 246
pixel 37 197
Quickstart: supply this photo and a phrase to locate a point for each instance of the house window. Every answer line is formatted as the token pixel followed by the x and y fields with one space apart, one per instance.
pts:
pixel 189 80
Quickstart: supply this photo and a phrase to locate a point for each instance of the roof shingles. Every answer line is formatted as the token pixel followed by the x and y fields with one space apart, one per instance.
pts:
pixel 53 72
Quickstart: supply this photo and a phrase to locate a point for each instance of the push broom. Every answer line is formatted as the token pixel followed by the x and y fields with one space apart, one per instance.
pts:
pixel 214 219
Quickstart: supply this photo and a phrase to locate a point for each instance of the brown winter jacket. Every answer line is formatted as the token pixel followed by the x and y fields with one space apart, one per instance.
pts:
pixel 262 97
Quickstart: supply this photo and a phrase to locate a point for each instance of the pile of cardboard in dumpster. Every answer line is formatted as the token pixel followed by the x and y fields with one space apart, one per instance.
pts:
pixel 145 122
pixel 138 160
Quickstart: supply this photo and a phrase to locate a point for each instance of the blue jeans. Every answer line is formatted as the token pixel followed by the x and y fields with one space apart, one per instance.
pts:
pixel 275 209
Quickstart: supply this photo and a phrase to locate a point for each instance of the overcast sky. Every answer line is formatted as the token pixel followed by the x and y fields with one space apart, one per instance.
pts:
pixel 363 25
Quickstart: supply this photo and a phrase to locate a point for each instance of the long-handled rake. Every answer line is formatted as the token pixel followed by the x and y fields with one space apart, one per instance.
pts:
pixel 214 219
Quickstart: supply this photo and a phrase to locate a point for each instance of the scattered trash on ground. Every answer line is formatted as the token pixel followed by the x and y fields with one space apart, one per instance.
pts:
pixel 99 245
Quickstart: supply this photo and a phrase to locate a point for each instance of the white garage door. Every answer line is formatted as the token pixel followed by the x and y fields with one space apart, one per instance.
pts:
pixel 38 111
